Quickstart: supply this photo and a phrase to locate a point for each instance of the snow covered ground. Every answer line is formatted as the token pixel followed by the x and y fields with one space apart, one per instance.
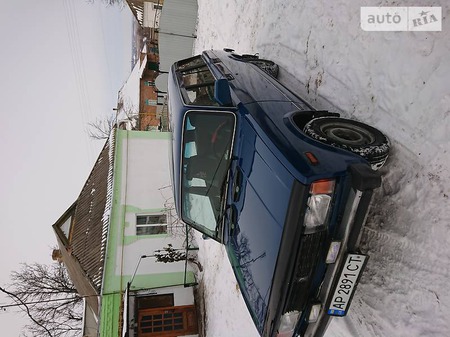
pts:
pixel 396 81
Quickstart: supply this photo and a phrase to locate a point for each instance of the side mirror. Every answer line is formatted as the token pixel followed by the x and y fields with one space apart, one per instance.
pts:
pixel 222 93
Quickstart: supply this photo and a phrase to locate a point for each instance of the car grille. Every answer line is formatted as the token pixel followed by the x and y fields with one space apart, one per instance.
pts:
pixel 308 256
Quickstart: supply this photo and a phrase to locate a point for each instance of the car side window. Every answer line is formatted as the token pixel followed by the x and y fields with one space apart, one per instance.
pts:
pixel 190 63
pixel 197 83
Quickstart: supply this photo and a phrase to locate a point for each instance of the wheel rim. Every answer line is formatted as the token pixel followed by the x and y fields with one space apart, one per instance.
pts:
pixel 348 134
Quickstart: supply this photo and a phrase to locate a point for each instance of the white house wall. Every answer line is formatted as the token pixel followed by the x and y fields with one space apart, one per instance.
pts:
pixel 146 171
pixel 141 171
pixel 182 296
pixel 151 15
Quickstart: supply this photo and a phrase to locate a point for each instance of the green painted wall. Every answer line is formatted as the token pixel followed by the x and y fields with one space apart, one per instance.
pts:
pixel 160 280
pixel 134 209
pixel 109 319
pixel 147 134
pixel 113 284
pixel 130 239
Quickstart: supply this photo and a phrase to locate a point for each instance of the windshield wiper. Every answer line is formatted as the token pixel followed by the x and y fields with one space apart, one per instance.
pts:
pixel 223 195
pixel 223 198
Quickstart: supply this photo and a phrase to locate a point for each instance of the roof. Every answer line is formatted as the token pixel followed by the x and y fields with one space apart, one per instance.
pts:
pixel 137 8
pixel 129 93
pixel 82 230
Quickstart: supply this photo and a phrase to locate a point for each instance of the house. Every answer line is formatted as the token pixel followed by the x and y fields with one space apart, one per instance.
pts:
pixel 146 12
pixel 172 28
pixel 108 238
pixel 139 100
pixel 170 31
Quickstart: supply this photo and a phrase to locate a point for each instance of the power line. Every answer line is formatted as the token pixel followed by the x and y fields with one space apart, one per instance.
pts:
pixel 26 309
pixel 78 67
pixel 105 50
pixel 4 306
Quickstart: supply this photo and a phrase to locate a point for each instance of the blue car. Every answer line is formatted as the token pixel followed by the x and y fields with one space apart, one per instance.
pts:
pixel 286 188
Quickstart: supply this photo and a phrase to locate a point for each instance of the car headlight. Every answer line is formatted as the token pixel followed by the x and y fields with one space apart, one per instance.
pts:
pixel 288 323
pixel 318 203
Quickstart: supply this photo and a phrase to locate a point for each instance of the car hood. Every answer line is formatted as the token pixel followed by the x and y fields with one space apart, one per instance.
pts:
pixel 260 211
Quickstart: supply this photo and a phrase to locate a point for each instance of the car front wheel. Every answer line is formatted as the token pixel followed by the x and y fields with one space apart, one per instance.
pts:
pixel 357 137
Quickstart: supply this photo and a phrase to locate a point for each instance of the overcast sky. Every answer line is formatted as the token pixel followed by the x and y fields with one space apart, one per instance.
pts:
pixel 62 65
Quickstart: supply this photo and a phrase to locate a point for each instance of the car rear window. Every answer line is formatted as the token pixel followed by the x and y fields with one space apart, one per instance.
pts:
pixel 196 82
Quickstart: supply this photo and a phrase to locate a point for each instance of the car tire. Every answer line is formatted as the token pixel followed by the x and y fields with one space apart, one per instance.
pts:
pixel 357 137
pixel 267 66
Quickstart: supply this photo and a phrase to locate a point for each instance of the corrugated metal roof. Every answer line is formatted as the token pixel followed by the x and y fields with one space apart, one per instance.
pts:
pixel 137 8
pixel 88 237
pixel 84 250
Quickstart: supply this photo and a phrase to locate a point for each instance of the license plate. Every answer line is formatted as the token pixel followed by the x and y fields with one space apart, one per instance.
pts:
pixel 345 288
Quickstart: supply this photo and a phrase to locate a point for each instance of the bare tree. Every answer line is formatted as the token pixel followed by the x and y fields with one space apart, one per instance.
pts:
pixel 101 128
pixel 127 112
pixel 125 116
pixel 47 295
pixel 111 2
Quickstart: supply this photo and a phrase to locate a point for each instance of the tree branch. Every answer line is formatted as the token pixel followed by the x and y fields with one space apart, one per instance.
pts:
pixel 26 309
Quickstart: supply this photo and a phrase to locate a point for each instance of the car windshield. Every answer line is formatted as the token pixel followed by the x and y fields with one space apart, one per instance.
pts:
pixel 207 142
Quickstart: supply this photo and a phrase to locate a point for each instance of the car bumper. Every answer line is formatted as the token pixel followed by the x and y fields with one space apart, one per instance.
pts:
pixel 363 180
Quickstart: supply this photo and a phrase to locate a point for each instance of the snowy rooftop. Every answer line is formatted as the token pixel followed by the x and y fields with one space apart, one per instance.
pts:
pixel 130 91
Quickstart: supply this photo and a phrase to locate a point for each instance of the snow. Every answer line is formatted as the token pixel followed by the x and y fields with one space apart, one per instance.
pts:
pixel 395 81
pixel 129 93
pixel 225 311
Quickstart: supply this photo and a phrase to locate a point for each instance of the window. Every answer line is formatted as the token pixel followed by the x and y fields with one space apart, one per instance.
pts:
pixel 151 224
pixel 157 7
pixel 151 102
pixel 153 325
pixel 207 146
pixel 190 63
pixel 65 227
pixel 153 66
pixel 149 83
pixel 197 82
pixel 155 301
